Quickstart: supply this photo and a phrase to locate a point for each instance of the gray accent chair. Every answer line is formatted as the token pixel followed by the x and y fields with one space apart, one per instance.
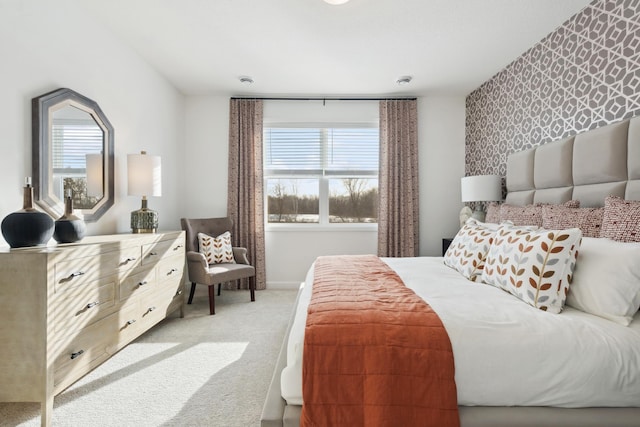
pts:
pixel 214 274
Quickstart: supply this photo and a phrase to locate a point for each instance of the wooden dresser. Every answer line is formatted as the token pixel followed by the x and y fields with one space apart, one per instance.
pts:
pixel 65 309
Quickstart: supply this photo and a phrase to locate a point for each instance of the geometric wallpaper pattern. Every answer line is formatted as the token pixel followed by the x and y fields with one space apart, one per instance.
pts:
pixel 584 75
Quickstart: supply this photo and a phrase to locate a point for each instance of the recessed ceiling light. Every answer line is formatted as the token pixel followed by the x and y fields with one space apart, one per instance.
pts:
pixel 404 80
pixel 246 80
pixel 336 2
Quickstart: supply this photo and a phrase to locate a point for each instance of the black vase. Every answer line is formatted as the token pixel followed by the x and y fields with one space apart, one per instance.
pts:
pixel 69 228
pixel 27 227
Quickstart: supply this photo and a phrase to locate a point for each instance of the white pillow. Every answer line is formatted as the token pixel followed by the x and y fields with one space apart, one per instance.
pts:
pixel 217 250
pixel 534 265
pixel 606 280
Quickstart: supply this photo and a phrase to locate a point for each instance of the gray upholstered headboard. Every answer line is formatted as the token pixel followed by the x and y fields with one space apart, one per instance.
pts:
pixel 586 167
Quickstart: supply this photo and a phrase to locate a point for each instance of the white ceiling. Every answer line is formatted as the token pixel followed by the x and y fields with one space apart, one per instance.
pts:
pixel 308 47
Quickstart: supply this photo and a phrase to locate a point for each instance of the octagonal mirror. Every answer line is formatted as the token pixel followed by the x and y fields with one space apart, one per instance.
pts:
pixel 72 150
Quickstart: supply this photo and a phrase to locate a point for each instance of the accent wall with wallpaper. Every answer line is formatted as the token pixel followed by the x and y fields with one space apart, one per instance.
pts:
pixel 582 76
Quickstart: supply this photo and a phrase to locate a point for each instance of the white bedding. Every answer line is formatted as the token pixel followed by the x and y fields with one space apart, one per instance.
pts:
pixel 506 352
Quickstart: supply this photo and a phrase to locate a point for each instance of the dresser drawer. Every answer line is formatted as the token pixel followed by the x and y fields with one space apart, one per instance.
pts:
pixel 163 302
pixel 129 258
pixel 86 304
pixel 136 284
pixel 170 269
pixel 79 350
pixel 153 252
pixel 69 274
pixel 128 328
pixel 67 375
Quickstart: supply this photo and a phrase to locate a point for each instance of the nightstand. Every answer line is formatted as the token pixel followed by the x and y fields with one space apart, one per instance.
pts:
pixel 445 244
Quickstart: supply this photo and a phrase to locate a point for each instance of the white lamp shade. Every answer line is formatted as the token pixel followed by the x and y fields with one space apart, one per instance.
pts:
pixel 94 175
pixel 144 175
pixel 481 188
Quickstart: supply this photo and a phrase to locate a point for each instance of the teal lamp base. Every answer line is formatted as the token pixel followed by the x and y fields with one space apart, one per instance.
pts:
pixel 144 220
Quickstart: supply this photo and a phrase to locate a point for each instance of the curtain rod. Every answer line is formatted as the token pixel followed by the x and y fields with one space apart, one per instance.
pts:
pixel 326 99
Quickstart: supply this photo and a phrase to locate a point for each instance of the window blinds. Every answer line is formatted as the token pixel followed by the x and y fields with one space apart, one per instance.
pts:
pixel 328 151
pixel 72 140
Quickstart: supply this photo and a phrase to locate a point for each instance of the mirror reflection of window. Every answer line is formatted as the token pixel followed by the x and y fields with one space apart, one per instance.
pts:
pixel 74 134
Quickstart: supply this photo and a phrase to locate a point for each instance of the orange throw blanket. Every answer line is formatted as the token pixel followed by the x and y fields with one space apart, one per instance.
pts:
pixel 375 354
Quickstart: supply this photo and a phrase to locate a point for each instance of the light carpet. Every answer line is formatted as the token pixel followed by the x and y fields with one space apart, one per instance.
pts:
pixel 200 370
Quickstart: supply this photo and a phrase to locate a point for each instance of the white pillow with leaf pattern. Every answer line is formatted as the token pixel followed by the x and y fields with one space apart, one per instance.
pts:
pixel 469 248
pixel 534 265
pixel 217 250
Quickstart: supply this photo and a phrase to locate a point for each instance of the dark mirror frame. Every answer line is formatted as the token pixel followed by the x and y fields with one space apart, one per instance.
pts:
pixel 41 111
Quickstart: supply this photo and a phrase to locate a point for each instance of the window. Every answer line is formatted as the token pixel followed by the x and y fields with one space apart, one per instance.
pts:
pixel 321 175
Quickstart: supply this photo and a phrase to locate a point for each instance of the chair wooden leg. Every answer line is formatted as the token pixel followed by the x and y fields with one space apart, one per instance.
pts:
pixel 193 289
pixel 252 287
pixel 212 299
pixel 219 287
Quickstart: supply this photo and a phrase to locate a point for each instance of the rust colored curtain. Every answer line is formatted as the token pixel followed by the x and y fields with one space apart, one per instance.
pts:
pixel 398 204
pixel 245 202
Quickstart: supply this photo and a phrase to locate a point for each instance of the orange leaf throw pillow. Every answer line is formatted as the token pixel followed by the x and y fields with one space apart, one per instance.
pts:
pixel 534 265
pixel 469 248
pixel 217 250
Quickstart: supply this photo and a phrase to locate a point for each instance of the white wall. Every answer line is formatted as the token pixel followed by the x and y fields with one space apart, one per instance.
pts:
pixel 289 254
pixel 205 164
pixel 441 132
pixel 48 45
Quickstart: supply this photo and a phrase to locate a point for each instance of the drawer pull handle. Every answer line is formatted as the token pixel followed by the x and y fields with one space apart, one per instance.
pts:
pixel 170 272
pixel 127 261
pixel 131 322
pixel 153 253
pixel 92 304
pixel 144 282
pixel 71 276
pixel 76 354
pixel 151 309
pixel 177 247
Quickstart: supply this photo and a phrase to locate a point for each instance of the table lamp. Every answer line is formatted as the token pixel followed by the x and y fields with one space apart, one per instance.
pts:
pixel 480 188
pixel 144 178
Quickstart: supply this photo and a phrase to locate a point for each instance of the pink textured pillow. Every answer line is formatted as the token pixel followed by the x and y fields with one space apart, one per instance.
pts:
pixel 493 213
pixel 530 214
pixel 621 220
pixel 521 215
pixel 589 220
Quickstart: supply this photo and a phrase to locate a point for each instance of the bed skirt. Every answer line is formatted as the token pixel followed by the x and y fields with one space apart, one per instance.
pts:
pixel 276 412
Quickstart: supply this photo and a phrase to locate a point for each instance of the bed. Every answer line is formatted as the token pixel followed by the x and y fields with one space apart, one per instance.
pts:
pixel 591 362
